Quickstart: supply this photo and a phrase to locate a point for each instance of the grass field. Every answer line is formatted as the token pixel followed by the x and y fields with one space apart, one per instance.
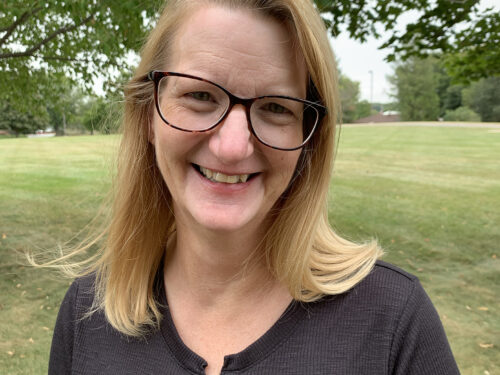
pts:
pixel 431 196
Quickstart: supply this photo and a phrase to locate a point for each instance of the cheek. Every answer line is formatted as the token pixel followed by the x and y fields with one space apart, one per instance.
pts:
pixel 164 141
pixel 290 159
pixel 285 165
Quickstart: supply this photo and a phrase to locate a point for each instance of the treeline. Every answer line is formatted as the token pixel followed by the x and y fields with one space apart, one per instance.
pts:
pixel 72 111
pixel 81 115
pixel 424 91
pixel 352 107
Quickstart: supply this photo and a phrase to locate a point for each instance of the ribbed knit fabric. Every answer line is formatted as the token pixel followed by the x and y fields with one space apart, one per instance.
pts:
pixel 384 325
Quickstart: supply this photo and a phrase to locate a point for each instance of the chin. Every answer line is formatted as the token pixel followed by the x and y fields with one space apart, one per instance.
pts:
pixel 226 219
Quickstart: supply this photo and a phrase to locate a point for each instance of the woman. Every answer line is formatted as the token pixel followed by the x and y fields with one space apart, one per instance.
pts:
pixel 219 257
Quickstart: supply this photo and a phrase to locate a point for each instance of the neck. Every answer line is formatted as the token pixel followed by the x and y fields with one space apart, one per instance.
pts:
pixel 217 268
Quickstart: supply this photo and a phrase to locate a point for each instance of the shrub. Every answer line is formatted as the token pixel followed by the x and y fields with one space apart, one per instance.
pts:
pixel 462 114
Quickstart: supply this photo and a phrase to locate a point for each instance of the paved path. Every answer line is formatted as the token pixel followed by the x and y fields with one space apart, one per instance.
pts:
pixel 490 125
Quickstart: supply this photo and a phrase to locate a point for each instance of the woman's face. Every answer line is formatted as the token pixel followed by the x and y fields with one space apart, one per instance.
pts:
pixel 249 55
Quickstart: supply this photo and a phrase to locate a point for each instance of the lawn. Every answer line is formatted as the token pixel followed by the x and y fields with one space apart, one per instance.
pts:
pixel 431 196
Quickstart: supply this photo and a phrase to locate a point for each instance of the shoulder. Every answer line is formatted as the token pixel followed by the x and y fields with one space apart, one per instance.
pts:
pixel 389 281
pixel 392 276
pixel 387 320
pixel 380 298
pixel 80 295
pixel 386 288
pixel 394 297
pixel 381 305
pixel 76 303
pixel 392 303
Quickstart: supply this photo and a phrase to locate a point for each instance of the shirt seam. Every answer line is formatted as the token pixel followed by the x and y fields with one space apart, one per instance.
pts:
pixel 399 321
pixel 389 267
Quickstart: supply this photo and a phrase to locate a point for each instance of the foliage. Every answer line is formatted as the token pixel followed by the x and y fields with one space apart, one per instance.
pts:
pixel 100 114
pixel 452 97
pixel 462 114
pixel 65 111
pixel 484 98
pixel 459 30
pixel 80 39
pixel 18 122
pixel 363 109
pixel 416 87
pixel 476 54
pixel 352 107
pixel 349 97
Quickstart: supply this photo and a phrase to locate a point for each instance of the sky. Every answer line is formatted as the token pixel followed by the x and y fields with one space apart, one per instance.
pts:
pixel 356 60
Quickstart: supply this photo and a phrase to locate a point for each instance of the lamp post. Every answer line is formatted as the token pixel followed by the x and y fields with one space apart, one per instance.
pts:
pixel 371 86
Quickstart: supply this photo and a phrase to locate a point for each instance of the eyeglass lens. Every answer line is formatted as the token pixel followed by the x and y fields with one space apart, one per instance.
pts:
pixel 196 105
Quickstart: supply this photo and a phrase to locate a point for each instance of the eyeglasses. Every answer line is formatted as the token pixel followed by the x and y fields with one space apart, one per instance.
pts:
pixel 194 104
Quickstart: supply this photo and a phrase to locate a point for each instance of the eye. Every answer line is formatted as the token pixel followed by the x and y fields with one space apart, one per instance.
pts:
pixel 276 108
pixel 202 96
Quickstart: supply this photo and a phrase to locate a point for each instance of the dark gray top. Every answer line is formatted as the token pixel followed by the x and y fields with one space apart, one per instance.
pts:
pixel 384 325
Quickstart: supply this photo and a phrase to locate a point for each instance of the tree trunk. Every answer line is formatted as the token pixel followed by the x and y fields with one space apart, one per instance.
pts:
pixel 64 123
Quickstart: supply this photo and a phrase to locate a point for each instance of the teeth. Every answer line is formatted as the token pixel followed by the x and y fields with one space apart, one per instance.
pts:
pixel 221 177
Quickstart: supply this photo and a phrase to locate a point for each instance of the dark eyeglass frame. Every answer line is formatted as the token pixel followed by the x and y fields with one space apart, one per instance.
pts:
pixel 156 76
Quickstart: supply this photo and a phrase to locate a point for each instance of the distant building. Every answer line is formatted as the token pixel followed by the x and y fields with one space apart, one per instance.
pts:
pixel 388 116
pixel 42 134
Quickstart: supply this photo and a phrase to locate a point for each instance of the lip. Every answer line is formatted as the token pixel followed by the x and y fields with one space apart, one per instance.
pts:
pixel 225 188
pixel 225 171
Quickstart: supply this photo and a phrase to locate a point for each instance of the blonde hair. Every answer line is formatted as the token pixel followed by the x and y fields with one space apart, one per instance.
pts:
pixel 301 249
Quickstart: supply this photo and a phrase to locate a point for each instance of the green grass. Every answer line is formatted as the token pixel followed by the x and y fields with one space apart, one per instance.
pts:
pixel 431 196
pixel 49 190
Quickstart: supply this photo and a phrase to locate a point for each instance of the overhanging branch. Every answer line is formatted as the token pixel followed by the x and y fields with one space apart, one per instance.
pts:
pixel 61 58
pixel 10 29
pixel 36 47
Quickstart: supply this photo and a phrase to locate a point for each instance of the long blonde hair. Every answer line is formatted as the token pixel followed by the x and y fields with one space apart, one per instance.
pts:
pixel 301 249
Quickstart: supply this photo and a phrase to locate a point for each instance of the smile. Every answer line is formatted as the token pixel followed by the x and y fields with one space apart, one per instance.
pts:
pixel 221 177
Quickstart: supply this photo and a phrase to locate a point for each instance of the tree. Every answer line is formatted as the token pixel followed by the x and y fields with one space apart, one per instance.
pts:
pixel 65 109
pixel 19 122
pixel 462 114
pixel 416 86
pixel 81 39
pixel 476 54
pixel 483 97
pixel 363 109
pixel 98 115
pixel 457 29
pixel 349 97
pixel 352 108
pixel 452 98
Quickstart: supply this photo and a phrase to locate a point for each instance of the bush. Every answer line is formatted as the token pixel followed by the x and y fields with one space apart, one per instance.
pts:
pixel 462 114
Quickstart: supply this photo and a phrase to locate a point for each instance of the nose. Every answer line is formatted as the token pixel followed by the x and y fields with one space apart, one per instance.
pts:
pixel 232 140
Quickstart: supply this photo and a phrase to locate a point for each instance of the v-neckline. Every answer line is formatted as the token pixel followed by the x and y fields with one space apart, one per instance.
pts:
pixel 279 332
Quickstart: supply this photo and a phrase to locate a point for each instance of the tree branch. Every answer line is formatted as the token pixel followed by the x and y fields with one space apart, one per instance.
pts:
pixel 61 58
pixel 36 47
pixel 10 29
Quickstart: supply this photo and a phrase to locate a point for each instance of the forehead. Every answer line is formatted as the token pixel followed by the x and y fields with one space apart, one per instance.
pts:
pixel 246 51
